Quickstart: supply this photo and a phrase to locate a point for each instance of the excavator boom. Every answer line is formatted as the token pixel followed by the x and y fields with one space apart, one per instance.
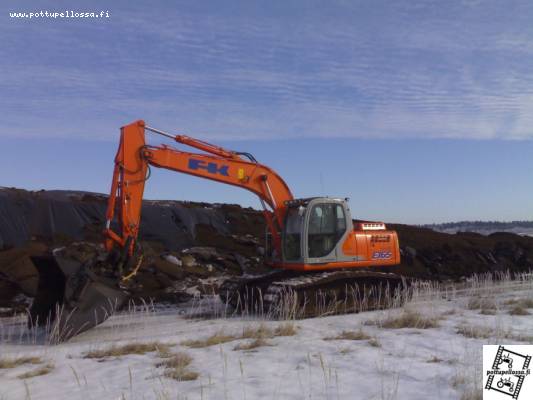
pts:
pixel 134 158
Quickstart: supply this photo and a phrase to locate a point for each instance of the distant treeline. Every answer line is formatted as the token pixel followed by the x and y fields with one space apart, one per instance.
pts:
pixel 480 225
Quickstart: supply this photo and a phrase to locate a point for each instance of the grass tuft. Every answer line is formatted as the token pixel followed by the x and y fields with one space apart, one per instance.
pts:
pixel 176 367
pixel 524 302
pixel 217 338
pixel 407 319
pixel 481 303
pixel 286 329
pixel 374 342
pixel 350 335
pixel 130 348
pixel 45 369
pixel 252 345
pixel 260 332
pixel 164 352
pixel 15 362
pixel 518 310
pixel 475 332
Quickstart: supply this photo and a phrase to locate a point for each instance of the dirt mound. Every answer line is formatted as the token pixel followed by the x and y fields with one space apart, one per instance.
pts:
pixel 428 254
pixel 60 217
pixel 190 247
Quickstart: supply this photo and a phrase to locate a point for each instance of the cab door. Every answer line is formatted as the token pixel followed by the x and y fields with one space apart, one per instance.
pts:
pixel 326 225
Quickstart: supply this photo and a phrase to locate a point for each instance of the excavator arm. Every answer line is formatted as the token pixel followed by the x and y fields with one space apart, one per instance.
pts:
pixel 132 167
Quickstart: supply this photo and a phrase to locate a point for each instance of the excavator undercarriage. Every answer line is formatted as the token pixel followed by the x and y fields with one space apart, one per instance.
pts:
pixel 289 294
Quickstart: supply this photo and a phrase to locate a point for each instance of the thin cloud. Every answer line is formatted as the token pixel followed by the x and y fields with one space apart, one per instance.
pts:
pixel 389 71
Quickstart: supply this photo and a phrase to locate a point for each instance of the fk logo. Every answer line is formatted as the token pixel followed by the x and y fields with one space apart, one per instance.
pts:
pixel 212 168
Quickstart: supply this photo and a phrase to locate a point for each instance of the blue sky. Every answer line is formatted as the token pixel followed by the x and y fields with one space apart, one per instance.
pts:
pixel 417 111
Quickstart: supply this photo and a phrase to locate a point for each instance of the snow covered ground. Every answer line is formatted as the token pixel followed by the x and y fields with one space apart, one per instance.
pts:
pixel 442 362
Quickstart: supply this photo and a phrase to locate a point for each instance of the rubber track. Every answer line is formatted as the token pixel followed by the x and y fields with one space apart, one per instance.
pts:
pixel 290 294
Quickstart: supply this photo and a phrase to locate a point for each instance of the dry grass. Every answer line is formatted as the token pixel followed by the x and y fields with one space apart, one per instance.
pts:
pixel 484 332
pixel 481 303
pixel 261 332
pixel 374 342
pixel 518 310
pixel 164 352
pixel 453 311
pixel 475 332
pixel 523 338
pixel 526 303
pixel 345 350
pixel 523 302
pixel 407 319
pixel 130 348
pixel 45 369
pixel 177 367
pixel 217 338
pixel 252 345
pixel 286 329
pixel 15 362
pixel 435 359
pixel 485 311
pixel 350 335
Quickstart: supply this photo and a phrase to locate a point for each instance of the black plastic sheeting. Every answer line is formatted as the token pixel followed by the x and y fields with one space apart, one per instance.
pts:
pixel 47 215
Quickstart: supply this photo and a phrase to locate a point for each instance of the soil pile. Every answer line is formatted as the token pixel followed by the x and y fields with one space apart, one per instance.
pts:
pixel 190 248
pixel 428 254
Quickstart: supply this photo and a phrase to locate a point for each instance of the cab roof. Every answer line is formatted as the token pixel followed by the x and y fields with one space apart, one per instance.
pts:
pixel 305 201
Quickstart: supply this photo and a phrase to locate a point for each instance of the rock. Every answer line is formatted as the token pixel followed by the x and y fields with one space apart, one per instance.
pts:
pixel 17 267
pixel 203 253
pixel 172 269
pixel 188 261
pixel 172 259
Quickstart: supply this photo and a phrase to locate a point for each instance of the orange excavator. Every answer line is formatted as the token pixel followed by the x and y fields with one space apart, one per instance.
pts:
pixel 312 244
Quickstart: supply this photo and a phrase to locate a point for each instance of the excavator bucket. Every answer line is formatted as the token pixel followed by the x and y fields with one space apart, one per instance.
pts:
pixel 71 298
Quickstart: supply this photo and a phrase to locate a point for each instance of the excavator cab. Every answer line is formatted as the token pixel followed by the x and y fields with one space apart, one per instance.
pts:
pixel 319 234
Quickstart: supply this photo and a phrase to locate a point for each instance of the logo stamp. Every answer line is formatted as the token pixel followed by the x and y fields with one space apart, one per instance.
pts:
pixel 381 255
pixel 507 372
pixel 211 167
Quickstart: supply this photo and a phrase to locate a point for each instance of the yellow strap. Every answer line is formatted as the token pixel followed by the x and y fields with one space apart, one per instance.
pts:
pixel 134 272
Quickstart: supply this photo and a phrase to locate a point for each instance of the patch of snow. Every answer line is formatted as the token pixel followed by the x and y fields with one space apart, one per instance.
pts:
pixel 409 363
